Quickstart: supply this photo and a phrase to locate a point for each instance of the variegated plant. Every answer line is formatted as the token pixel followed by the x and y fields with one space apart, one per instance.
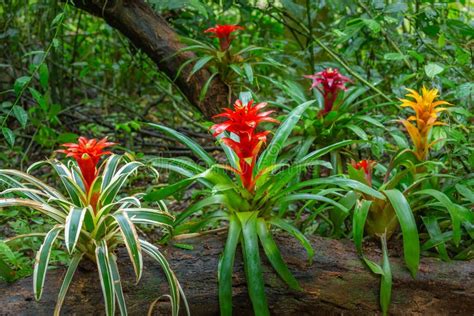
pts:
pixel 91 219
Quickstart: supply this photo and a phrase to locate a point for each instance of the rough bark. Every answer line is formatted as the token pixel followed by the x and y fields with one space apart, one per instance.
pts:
pixel 152 34
pixel 336 283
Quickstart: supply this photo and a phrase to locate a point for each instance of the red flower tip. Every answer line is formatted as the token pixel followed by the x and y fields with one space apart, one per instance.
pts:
pixel 243 122
pixel 367 166
pixel 223 33
pixel 329 82
pixel 87 153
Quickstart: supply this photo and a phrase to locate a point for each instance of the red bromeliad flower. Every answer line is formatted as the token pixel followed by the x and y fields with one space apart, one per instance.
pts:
pixel 222 32
pixel 332 82
pixel 243 122
pixel 87 153
pixel 367 166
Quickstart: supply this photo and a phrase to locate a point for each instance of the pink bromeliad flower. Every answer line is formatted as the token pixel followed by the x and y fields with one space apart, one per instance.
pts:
pixel 223 33
pixel 329 82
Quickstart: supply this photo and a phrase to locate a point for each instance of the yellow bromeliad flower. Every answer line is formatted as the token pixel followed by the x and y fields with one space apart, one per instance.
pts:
pixel 426 115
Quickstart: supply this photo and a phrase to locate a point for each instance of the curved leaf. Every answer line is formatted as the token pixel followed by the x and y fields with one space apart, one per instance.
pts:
pixel 252 263
pixel 411 242
pixel 42 260
pixel 226 266
pixel 105 275
pixel 195 148
pixel 274 255
pixel 73 227
pixel 130 238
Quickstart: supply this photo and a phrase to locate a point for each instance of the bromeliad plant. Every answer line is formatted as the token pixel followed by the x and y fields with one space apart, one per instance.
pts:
pixel 92 219
pixel 337 115
pixel 253 203
pixel 329 83
pixel 426 115
pixel 236 69
pixel 380 215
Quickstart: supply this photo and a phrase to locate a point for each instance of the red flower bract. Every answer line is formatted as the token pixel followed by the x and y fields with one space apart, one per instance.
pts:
pixel 367 166
pixel 87 153
pixel 329 82
pixel 222 32
pixel 243 122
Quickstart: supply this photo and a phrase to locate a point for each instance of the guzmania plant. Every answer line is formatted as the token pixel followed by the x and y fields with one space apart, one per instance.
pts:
pixel 236 69
pixel 256 201
pixel 91 219
pixel 426 116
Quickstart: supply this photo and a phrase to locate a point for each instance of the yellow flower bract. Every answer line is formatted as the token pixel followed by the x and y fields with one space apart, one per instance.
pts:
pixel 426 115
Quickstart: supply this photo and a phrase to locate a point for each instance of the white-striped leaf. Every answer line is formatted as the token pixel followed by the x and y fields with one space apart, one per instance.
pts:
pixel 106 281
pixel 130 238
pixel 73 227
pixel 42 260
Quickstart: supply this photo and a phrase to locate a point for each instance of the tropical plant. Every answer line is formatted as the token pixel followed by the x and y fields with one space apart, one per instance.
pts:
pixel 426 115
pixel 235 68
pixel 380 217
pixel 256 202
pixel 91 219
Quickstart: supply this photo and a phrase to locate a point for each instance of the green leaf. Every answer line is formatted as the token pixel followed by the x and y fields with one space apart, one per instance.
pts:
pixel 173 283
pixel 411 241
pixel 393 56
pixel 9 136
pixel 314 197
pixel 73 227
pixel 433 69
pixel 323 151
pixel 202 94
pixel 106 281
pixel 280 223
pixel 452 209
pixel 130 238
pixel 117 285
pixel 431 224
pixel 200 64
pixel 386 282
pixel 44 76
pixel 248 72
pixel 20 115
pixel 20 84
pixel 195 148
pixel 358 223
pixel 274 255
pixel 149 216
pixel 66 282
pixel 252 263
pixel 226 267
pixel 358 131
pixel 42 260
pixel 269 156
pixel 214 199
pixel 168 190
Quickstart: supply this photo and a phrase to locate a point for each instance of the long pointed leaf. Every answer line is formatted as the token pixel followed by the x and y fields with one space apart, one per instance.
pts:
pixel 252 263
pixel 411 241
pixel 42 260
pixel 73 227
pixel 226 266
pixel 105 275
pixel 132 244
pixel 66 282
pixel 274 255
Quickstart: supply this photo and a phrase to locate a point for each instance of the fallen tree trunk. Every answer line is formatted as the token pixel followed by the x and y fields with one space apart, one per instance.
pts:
pixel 336 283
pixel 151 33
